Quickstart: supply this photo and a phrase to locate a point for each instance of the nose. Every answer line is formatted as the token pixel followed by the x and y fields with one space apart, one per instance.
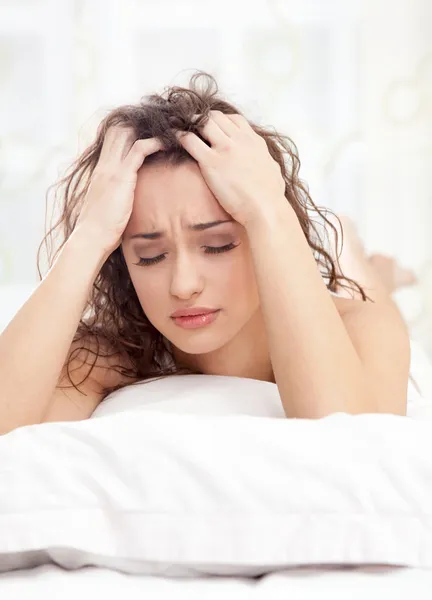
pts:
pixel 186 279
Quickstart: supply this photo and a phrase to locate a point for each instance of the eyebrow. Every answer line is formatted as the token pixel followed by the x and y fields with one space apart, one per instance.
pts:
pixel 197 227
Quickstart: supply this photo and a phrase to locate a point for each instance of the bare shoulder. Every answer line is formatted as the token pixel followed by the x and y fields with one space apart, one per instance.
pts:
pixel 97 354
pixel 91 368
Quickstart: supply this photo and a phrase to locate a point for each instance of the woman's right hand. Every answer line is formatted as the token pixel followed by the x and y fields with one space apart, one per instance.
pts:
pixel 109 200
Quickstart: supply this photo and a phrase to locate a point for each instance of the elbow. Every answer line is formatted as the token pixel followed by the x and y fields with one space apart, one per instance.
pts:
pixel 382 401
pixel 6 427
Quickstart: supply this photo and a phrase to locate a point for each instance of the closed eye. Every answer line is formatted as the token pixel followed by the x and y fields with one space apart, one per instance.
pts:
pixel 145 262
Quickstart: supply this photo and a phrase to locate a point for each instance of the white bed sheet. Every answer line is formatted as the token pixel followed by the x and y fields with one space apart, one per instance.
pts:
pixel 307 583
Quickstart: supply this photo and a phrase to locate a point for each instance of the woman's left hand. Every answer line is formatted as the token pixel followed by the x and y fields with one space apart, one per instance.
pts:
pixel 238 168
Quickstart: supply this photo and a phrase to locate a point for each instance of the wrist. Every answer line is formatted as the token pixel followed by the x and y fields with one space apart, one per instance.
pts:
pixel 266 218
pixel 90 242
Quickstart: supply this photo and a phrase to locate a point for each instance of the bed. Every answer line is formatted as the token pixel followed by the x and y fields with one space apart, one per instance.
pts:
pixel 309 583
pixel 199 485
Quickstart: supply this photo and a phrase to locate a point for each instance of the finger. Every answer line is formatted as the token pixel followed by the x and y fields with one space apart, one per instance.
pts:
pixel 117 142
pixel 139 150
pixel 240 121
pixel 229 127
pixel 214 134
pixel 196 147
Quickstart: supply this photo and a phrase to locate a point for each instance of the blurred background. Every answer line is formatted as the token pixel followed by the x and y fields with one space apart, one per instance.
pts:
pixel 350 81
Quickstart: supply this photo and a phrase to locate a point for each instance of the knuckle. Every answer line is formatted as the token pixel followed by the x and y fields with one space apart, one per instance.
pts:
pixel 121 128
pixel 138 147
pixel 100 172
pixel 238 118
pixel 228 145
pixel 105 173
pixel 140 144
pixel 116 176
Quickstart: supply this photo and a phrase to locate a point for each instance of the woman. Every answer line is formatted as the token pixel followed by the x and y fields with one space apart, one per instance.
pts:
pixel 182 206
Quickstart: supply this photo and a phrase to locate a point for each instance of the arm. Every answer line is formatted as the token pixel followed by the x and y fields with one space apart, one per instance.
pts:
pixel 35 344
pixel 321 365
pixel 319 368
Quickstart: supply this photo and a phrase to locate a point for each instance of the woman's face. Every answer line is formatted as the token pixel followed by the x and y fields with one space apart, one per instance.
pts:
pixel 167 200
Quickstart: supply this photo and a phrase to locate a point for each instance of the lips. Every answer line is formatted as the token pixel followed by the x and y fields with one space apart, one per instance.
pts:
pixel 193 312
pixel 196 321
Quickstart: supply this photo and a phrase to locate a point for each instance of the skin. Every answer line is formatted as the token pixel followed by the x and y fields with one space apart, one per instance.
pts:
pixel 337 358
pixel 167 198
pixel 361 346
pixel 325 358
pixel 379 275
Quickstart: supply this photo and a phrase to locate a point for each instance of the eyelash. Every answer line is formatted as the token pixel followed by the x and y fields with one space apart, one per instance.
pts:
pixel 146 262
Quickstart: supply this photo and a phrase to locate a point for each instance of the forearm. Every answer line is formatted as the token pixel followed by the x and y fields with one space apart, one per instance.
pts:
pixel 316 366
pixel 34 345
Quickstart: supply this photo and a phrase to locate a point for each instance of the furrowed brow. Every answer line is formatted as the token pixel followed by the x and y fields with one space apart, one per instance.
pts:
pixel 155 235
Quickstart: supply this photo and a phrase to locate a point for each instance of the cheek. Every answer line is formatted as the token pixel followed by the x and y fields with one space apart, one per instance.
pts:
pixel 150 287
pixel 239 278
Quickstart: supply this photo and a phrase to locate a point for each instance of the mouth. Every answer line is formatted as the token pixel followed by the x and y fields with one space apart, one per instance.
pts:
pixel 195 321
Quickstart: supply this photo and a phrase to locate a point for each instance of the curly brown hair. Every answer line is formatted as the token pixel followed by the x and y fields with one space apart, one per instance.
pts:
pixel 113 317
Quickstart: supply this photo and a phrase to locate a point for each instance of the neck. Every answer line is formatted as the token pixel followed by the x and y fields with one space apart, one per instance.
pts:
pixel 245 355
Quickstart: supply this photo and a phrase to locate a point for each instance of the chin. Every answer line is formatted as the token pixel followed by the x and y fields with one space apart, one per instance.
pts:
pixel 197 344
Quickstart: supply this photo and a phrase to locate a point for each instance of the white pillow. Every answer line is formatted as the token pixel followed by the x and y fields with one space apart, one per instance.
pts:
pixel 153 492
pixel 215 395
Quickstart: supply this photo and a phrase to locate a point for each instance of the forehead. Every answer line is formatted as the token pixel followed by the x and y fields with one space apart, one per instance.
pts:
pixel 180 192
